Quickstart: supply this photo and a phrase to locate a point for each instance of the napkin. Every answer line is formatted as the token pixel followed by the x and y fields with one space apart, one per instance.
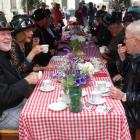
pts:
pixel 100 74
pixel 39 74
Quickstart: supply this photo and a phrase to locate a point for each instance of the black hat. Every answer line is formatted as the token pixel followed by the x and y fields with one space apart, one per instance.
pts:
pixel 48 12
pixel 4 25
pixel 39 14
pixel 100 13
pixel 21 22
pixel 107 18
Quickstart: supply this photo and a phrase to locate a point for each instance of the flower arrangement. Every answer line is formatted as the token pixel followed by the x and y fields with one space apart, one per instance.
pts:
pixel 77 73
pixel 75 43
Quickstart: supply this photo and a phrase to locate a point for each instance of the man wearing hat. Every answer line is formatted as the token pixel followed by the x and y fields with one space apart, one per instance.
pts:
pixel 13 89
pixel 42 18
pixel 132 14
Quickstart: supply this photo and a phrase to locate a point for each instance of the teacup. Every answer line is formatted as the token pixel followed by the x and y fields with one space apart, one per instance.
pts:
pixel 102 49
pixel 100 85
pixel 96 96
pixel 46 83
pixel 45 48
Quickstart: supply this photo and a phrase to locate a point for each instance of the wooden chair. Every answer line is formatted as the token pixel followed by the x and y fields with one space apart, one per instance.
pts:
pixel 138 134
pixel 8 134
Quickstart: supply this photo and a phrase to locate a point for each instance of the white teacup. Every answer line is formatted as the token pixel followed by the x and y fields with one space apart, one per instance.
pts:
pixel 100 85
pixel 45 48
pixel 96 96
pixel 46 83
pixel 102 49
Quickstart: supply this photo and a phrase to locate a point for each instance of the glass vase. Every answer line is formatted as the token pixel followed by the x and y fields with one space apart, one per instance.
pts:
pixel 75 94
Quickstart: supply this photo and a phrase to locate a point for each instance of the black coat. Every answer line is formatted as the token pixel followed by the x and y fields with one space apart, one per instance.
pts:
pixel 130 70
pixel 13 89
pixel 45 38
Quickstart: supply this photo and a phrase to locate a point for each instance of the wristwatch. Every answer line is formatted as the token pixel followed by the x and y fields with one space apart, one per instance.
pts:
pixel 123 97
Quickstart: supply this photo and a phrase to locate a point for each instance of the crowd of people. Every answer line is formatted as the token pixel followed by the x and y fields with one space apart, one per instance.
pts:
pixel 21 55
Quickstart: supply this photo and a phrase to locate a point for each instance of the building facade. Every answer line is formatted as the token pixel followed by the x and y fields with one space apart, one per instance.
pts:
pixel 11 7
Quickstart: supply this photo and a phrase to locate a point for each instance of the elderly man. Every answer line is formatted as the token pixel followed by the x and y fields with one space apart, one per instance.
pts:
pixel 129 67
pixel 13 89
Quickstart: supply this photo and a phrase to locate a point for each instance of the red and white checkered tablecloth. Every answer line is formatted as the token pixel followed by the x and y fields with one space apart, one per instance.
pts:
pixel 37 122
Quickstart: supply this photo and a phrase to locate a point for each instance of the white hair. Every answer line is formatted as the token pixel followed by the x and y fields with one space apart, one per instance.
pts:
pixel 134 29
pixel 136 3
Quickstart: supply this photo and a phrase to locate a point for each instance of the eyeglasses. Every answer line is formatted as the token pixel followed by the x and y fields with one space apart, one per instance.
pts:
pixel 130 38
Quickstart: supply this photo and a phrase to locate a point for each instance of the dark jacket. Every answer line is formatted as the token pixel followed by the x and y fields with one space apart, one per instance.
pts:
pixel 18 59
pixel 13 88
pixel 45 38
pixel 113 55
pixel 103 35
pixel 130 70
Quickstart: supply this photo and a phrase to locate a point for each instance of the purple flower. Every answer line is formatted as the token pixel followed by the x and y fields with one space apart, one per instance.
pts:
pixel 78 72
pixel 70 57
pixel 78 82
pixel 83 80
pixel 87 77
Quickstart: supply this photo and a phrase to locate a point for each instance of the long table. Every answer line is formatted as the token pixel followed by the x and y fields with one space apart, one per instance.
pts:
pixel 37 122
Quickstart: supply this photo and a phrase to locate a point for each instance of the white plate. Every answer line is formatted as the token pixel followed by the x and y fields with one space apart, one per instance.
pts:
pixel 47 88
pixel 57 106
pixel 102 100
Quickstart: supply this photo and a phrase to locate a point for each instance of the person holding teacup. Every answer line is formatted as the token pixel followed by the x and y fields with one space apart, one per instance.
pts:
pixel 22 53
pixel 129 68
pixel 46 36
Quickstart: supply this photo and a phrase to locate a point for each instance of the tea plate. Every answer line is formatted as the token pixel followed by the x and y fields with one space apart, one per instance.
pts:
pixel 102 101
pixel 57 106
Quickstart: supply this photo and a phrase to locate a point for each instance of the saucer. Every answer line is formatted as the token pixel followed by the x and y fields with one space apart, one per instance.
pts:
pixel 57 106
pixel 47 89
pixel 102 100
pixel 103 92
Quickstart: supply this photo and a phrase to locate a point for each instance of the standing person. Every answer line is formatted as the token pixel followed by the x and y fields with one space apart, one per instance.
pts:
pixel 91 13
pixel 129 67
pixel 79 15
pixel 13 89
pixel 102 11
pixel 67 15
pixel 22 51
pixel 57 15
pixel 85 13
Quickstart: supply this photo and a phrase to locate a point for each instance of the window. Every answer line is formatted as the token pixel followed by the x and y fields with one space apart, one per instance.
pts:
pixel 13 5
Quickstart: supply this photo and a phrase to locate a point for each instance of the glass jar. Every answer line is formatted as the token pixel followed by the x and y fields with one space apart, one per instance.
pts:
pixel 75 94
